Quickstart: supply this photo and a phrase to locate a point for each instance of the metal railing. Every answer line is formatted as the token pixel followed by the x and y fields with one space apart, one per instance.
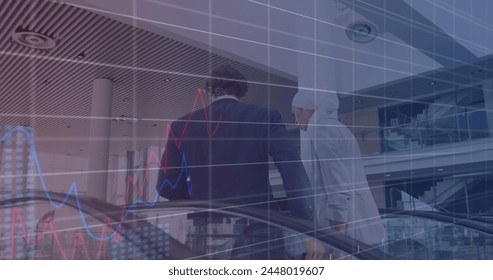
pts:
pixel 422 133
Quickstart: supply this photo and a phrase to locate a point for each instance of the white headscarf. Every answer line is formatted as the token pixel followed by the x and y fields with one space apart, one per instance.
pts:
pixel 324 103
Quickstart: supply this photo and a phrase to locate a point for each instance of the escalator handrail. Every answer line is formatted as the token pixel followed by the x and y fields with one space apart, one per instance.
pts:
pixel 100 210
pixel 327 235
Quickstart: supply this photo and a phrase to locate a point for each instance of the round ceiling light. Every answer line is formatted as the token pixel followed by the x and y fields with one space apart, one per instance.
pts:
pixel 361 32
pixel 33 40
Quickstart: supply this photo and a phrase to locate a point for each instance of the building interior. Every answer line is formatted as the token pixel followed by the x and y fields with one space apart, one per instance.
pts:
pixel 89 88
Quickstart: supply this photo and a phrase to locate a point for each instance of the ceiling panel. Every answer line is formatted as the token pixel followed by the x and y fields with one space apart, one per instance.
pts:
pixel 155 77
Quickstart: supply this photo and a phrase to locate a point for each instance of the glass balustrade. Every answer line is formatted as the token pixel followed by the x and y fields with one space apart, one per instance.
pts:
pixel 415 134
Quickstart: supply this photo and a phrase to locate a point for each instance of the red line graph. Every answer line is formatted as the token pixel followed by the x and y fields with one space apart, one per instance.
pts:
pixel 79 238
pixel 16 216
pixel 153 157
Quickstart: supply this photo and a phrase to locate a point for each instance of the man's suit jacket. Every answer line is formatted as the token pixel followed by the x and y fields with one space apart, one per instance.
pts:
pixel 222 154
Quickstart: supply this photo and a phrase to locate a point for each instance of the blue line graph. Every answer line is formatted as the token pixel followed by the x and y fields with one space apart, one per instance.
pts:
pixel 74 190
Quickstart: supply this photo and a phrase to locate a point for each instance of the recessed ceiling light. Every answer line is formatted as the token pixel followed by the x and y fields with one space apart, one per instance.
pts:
pixel 432 83
pixel 154 125
pixel 125 99
pixel 359 101
pixel 361 32
pixel 167 80
pixel 82 55
pixel 387 175
pixel 32 39
pixel 440 169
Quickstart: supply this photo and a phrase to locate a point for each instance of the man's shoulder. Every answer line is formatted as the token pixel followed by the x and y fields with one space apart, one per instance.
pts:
pixel 255 111
pixel 262 113
pixel 255 107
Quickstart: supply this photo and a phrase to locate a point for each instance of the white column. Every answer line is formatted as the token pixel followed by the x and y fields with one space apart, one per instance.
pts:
pixel 99 142
pixel 113 183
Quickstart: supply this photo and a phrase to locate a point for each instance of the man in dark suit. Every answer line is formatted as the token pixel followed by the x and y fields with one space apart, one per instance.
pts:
pixel 221 153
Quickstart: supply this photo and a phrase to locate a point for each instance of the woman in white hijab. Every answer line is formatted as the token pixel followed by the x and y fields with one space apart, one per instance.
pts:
pixel 332 159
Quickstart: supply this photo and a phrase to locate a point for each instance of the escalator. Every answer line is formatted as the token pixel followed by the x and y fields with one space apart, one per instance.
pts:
pixel 54 226
pixel 85 228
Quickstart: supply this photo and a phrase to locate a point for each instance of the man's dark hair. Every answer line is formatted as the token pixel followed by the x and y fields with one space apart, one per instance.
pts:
pixel 233 82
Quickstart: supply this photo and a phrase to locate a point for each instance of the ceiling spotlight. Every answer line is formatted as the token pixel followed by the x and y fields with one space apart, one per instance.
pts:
pixel 82 55
pixel 361 32
pixel 432 83
pixel 440 169
pixel 387 175
pixel 32 39
pixel 167 80
pixel 359 101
